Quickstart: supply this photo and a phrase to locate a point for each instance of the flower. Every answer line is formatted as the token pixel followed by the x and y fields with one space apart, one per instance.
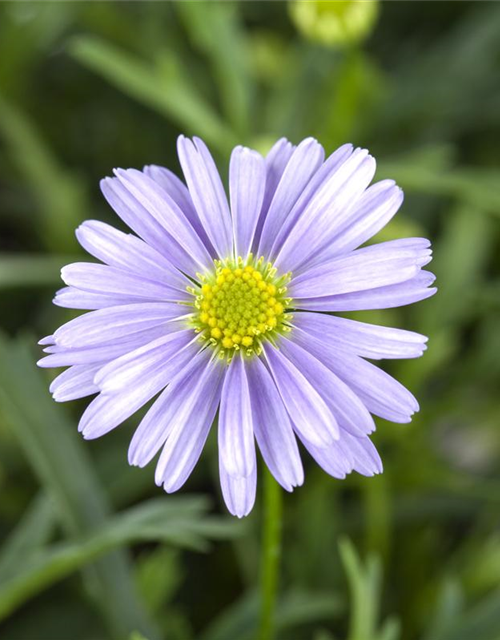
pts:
pixel 224 307
pixel 334 23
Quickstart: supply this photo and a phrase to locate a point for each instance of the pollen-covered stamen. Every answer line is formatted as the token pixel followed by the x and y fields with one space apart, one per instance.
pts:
pixel 239 304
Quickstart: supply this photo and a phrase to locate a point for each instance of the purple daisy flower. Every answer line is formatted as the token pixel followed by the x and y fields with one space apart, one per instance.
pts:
pixel 225 306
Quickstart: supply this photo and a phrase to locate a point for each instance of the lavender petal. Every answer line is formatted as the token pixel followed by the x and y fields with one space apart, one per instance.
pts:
pixel 386 297
pixel 164 209
pixel 350 413
pixel 100 278
pixel 207 193
pixel 311 417
pixel 127 252
pixel 326 210
pixel 115 323
pixel 76 382
pixel 272 427
pixel 166 354
pixel 376 207
pixel 189 426
pixel 367 340
pixel 376 266
pixel 304 162
pixel 247 179
pixel 276 161
pixel 178 402
pixel 236 436
pixel 239 492
pixel 179 193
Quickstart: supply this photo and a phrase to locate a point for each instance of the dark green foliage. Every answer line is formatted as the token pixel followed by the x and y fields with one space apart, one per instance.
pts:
pixel 92 549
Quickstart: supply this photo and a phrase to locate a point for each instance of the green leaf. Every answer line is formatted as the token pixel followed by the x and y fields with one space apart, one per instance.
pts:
pixel 294 608
pixel 59 195
pixel 448 607
pixel 58 458
pixel 365 586
pixel 159 574
pixel 137 636
pixel 214 29
pixel 164 86
pixel 462 255
pixel 28 32
pixel 323 634
pixel 347 99
pixel 29 536
pixel 390 630
pixel 29 270
pixel 449 88
pixel 290 110
pixel 482 565
pixel 481 622
pixel 426 171
pixel 173 520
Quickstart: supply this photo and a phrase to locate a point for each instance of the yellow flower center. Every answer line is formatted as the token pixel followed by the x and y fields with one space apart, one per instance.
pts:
pixel 240 304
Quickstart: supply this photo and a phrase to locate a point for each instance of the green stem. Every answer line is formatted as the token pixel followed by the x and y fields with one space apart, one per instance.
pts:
pixel 270 554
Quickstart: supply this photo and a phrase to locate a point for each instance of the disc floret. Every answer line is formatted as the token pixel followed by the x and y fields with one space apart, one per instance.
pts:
pixel 240 304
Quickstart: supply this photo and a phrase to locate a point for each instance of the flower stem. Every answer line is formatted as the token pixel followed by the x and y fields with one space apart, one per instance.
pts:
pixel 270 554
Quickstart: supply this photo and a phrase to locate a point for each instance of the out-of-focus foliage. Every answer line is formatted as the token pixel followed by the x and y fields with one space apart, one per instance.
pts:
pixel 91 548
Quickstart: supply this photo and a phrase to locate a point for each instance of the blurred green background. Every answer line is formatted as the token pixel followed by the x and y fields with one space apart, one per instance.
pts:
pixel 91 549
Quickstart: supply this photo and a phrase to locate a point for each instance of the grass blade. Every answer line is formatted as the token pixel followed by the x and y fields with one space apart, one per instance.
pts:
pixel 164 87
pixel 175 520
pixel 29 536
pixel 29 270
pixel 60 196
pixel 57 457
